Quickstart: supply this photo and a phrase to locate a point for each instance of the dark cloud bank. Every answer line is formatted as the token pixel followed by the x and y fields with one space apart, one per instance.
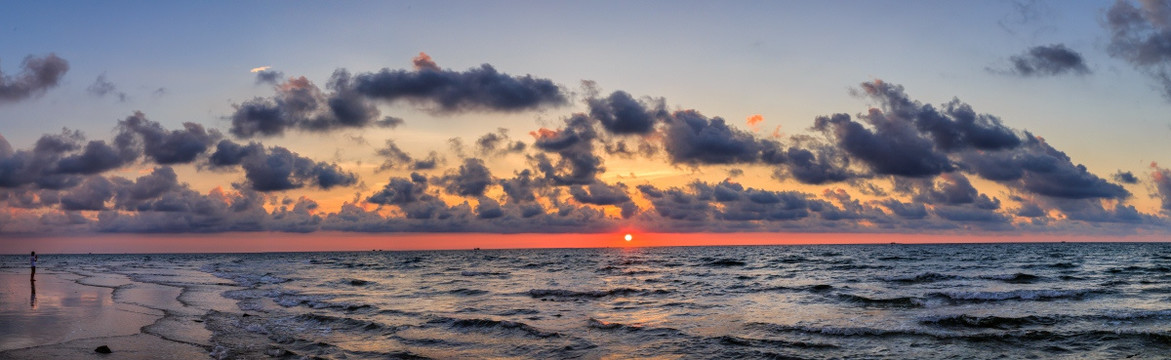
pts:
pixel 900 166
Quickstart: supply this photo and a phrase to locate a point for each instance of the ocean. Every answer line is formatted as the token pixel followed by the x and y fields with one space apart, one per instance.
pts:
pixel 958 301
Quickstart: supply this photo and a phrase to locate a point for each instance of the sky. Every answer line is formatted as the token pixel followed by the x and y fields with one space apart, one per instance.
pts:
pixel 432 122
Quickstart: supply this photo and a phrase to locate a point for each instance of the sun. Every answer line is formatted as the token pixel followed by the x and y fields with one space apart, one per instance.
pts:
pixel 629 237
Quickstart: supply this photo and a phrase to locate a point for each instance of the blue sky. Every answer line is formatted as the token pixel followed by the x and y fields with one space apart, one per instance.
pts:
pixel 787 61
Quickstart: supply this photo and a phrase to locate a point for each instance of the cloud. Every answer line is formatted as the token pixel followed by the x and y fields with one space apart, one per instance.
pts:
pixel 728 206
pixel 621 114
pixel 600 194
pixel 520 188
pixel 424 62
pixel 396 158
pixel 955 127
pixel 401 191
pixel 824 164
pixel 578 165
pixel 1162 180
pixel 910 211
pixel 148 192
pixel 488 209
pixel 277 168
pixel 162 146
pixel 1125 177
pixel 949 189
pixel 692 138
pixel 56 158
pixel 1048 60
pixel 102 87
pixel 300 104
pixel 229 153
pixel 1139 35
pixel 498 143
pixel 1040 169
pixel 95 158
pixel 266 76
pixel 477 89
pixel 182 210
pixel 893 147
pixel 37 75
pixel 471 179
pixel 92 194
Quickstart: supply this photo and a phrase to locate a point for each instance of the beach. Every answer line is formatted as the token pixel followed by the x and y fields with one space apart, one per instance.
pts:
pixel 67 315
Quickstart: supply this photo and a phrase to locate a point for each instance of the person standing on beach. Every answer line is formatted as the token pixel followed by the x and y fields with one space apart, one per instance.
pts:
pixel 32 263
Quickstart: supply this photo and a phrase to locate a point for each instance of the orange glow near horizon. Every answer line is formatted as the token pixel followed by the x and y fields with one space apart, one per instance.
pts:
pixel 339 241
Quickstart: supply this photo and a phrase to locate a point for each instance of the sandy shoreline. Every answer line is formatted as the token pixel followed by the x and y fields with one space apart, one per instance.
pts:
pixel 66 315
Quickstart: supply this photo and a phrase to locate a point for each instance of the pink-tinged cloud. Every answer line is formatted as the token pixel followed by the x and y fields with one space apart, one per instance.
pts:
pixel 754 122
pixel 424 62
pixel 543 133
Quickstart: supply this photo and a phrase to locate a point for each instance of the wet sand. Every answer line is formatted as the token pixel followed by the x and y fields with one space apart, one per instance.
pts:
pixel 68 315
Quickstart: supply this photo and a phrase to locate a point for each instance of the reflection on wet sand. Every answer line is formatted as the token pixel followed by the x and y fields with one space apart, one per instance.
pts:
pixel 63 310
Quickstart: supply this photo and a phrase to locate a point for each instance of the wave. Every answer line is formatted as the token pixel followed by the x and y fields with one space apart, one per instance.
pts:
pixel 1139 270
pixel 819 288
pixel 503 326
pixel 772 343
pixel 1029 295
pixel 515 312
pixel 288 298
pixel 468 292
pixel 344 323
pixel 614 326
pixel 355 282
pixel 831 330
pixel 725 263
pixel 560 293
pixel 1138 314
pixel 902 302
pixel 928 277
pixel 1017 278
pixel 1011 336
pixel 1060 265
pixel 485 273
pixel 791 260
pixel 250 280
pixel 989 322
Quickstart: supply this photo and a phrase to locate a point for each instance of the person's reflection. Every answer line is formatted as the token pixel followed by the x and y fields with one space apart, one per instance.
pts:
pixel 32 298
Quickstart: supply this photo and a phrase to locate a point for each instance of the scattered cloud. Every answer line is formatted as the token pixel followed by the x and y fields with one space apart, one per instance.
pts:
pixel 1139 35
pixel 1125 177
pixel 476 89
pixel 1048 60
pixel 102 87
pixel 37 75
pixel 266 76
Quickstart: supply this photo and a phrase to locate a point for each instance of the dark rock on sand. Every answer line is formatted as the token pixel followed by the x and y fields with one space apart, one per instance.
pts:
pixel 103 349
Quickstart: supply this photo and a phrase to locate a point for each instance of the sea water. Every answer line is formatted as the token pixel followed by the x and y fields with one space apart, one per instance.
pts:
pixel 1043 300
